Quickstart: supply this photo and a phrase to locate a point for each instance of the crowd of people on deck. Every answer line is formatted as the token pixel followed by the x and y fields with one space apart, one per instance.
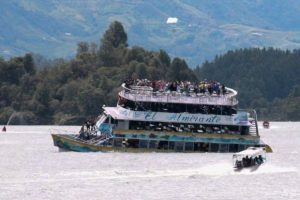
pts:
pixel 187 87
pixel 187 128
pixel 176 107
pixel 88 129
pixel 249 161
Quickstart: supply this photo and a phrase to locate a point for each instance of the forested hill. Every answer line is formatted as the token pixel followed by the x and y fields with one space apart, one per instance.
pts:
pixel 266 79
pixel 69 92
pixel 204 28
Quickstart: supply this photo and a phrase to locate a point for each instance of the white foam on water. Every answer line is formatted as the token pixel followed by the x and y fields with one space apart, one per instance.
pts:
pixel 272 169
pixel 218 169
pixel 266 169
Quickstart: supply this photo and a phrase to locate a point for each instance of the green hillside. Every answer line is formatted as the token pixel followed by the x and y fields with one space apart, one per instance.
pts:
pixel 69 92
pixel 266 79
pixel 205 28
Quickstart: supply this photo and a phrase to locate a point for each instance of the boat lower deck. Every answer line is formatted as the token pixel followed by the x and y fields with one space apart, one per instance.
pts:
pixel 127 144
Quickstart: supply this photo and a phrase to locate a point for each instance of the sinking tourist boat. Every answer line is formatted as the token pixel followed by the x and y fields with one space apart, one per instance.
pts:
pixel 172 117
pixel 252 156
pixel 266 124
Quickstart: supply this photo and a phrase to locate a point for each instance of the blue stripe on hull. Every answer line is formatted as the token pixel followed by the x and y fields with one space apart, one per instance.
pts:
pixel 65 143
pixel 194 139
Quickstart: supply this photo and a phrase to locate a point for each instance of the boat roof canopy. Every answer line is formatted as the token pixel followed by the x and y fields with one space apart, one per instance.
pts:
pixel 251 151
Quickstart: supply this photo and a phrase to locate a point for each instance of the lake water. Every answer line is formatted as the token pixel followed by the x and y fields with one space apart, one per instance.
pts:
pixel 32 168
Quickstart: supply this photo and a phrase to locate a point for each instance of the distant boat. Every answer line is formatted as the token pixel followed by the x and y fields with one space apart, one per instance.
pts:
pixel 266 124
pixel 252 156
pixel 4 129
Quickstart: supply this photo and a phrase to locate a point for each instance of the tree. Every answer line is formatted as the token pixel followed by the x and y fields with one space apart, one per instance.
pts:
pixel 115 36
pixel 164 58
pixel 179 71
pixel 82 47
pixel 15 70
pixel 113 45
pixel 29 64
pixel 141 71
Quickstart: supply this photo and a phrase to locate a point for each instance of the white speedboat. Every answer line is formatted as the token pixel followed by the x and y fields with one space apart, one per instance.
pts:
pixel 252 156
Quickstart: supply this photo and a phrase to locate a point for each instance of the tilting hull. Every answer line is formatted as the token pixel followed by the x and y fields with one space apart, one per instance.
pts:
pixel 169 117
pixel 144 143
pixel 72 143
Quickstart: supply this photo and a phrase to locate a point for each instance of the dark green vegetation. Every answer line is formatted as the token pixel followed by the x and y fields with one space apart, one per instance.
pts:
pixel 71 91
pixel 205 28
pixel 266 79
pixel 68 92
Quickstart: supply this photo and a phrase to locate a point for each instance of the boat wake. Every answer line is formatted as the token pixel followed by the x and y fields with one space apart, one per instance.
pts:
pixel 268 168
pixel 220 169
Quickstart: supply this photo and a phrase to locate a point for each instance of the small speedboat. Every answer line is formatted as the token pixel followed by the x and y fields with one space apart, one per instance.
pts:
pixel 266 124
pixel 252 156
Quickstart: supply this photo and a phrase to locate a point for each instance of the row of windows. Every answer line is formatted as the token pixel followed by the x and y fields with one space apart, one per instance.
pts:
pixel 176 107
pixel 193 128
pixel 177 146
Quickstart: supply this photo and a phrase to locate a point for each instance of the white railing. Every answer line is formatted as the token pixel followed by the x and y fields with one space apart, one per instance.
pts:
pixel 228 99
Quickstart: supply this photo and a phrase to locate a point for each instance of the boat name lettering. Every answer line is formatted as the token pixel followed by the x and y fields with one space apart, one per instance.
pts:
pixel 150 115
pixel 240 118
pixel 193 118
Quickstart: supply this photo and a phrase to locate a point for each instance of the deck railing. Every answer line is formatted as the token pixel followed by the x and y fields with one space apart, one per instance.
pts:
pixel 147 95
pixel 253 129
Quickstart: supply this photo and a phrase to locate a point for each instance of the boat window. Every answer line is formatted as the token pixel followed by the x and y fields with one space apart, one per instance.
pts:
pixel 244 130
pixel 153 144
pixel 143 144
pixel 223 148
pixel 171 145
pixel 114 121
pixel 197 146
pixel 133 143
pixel 123 124
pixel 179 146
pixel 214 147
pixel 179 127
pixel 204 147
pixel 176 107
pixel 233 148
pixel 200 146
pixel 117 142
pixel 189 146
pixel 242 147
pixel 163 145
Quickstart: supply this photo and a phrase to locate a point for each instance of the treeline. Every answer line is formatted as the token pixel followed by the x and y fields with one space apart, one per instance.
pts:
pixel 70 91
pixel 34 90
pixel 266 79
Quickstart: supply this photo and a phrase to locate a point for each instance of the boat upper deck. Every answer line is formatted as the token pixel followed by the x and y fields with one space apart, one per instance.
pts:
pixel 185 96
